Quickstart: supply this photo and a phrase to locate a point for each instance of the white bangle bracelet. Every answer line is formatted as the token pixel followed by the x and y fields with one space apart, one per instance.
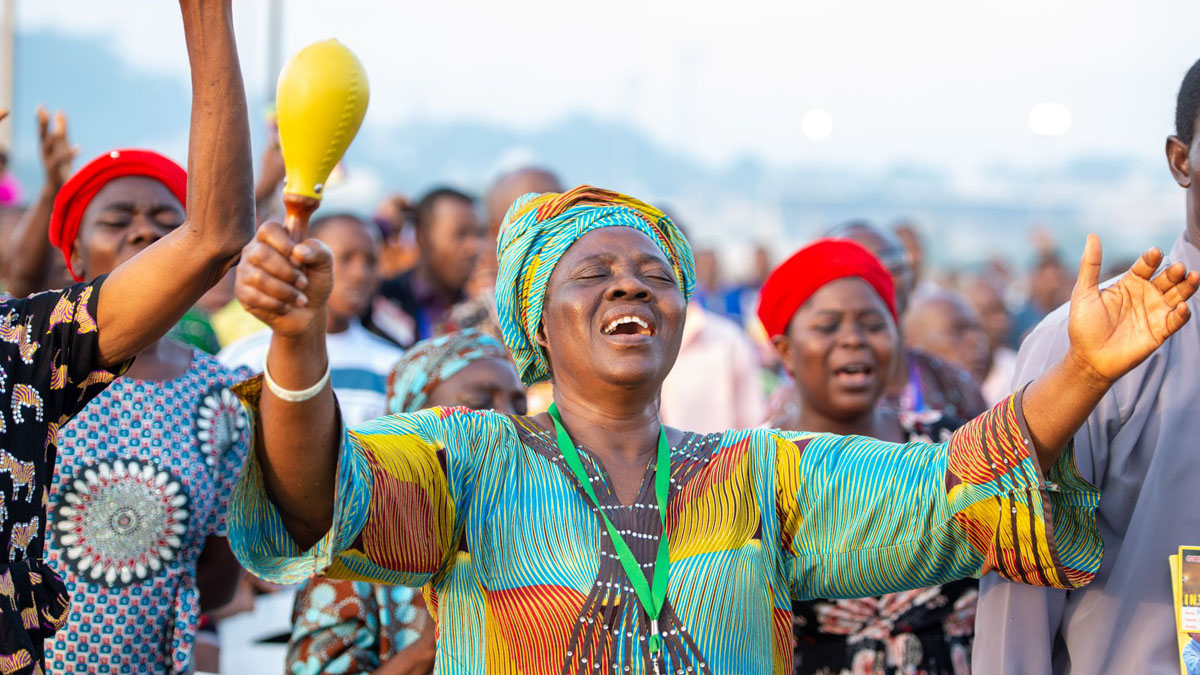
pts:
pixel 293 396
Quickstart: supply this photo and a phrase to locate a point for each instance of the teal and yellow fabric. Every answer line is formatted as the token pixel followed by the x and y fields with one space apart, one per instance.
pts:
pixel 754 519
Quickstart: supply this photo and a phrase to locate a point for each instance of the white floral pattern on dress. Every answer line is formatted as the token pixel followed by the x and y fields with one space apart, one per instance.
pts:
pixel 118 523
pixel 220 423
pixel 155 423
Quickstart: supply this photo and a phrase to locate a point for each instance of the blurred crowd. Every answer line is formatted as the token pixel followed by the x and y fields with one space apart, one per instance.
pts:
pixel 413 289
pixel 854 334
pixel 416 267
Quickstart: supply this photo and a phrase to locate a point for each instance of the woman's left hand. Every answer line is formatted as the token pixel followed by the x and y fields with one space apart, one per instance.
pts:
pixel 1114 329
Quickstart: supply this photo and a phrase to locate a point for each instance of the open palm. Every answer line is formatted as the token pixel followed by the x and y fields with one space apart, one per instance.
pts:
pixel 1114 329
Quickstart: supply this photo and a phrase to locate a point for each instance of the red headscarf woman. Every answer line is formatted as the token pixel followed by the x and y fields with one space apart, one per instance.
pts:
pixel 112 209
pixel 111 191
pixel 830 310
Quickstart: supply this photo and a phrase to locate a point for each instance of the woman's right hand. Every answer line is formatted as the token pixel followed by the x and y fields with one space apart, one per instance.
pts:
pixel 56 150
pixel 283 284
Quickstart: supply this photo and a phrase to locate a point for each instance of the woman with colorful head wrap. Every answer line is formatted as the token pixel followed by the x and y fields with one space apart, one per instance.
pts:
pixel 60 349
pixel 601 541
pixel 831 313
pixel 357 627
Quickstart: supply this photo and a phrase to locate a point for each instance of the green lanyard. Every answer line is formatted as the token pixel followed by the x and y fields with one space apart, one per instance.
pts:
pixel 651 601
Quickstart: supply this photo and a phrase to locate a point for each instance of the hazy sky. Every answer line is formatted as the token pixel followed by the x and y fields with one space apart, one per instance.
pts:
pixel 941 81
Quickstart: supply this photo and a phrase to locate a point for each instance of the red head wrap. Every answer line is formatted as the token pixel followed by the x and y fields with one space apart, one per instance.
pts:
pixel 77 193
pixel 791 284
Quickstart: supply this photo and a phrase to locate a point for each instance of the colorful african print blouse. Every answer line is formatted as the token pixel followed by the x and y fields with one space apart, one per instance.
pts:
pixel 482 507
pixel 144 478
pixel 926 631
pixel 350 626
pixel 49 348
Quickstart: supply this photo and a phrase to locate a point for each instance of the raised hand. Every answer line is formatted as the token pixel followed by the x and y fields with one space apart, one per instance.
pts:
pixel 284 284
pixel 144 297
pixel 56 151
pixel 271 170
pixel 1114 329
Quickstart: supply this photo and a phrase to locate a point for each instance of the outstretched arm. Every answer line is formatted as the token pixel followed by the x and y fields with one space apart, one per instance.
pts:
pixel 145 296
pixel 1112 331
pixel 30 272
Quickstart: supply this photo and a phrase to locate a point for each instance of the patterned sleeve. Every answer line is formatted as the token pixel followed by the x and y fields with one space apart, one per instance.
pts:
pixel 335 629
pixel 53 352
pixel 402 487
pixel 858 517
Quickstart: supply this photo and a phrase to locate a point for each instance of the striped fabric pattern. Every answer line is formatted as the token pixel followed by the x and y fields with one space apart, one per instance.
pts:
pixel 481 507
pixel 538 230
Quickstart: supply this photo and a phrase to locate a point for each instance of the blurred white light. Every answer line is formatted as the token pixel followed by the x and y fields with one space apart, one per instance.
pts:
pixel 817 124
pixel 1049 119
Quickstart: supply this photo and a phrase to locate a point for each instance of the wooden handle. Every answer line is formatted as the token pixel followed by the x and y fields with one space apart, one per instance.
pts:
pixel 298 209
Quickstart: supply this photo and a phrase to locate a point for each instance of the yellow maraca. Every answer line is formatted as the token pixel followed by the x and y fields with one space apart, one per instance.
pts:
pixel 320 102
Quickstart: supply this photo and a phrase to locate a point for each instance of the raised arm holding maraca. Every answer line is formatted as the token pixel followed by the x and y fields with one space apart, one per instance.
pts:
pixel 321 100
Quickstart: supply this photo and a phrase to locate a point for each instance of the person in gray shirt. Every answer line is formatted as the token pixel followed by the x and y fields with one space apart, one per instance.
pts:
pixel 1139 446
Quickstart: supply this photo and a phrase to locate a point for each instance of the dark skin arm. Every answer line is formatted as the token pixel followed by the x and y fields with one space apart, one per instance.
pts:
pixel 286 286
pixel 32 270
pixel 145 296
pixel 217 574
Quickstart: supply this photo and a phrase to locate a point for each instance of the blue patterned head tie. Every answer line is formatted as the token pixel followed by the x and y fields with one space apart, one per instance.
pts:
pixel 535 234
pixel 431 362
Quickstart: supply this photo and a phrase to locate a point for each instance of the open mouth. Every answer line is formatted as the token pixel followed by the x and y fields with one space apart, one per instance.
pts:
pixel 629 325
pixel 854 374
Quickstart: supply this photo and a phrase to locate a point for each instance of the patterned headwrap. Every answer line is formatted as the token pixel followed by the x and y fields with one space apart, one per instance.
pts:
pixel 75 195
pixel 535 234
pixel 430 362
